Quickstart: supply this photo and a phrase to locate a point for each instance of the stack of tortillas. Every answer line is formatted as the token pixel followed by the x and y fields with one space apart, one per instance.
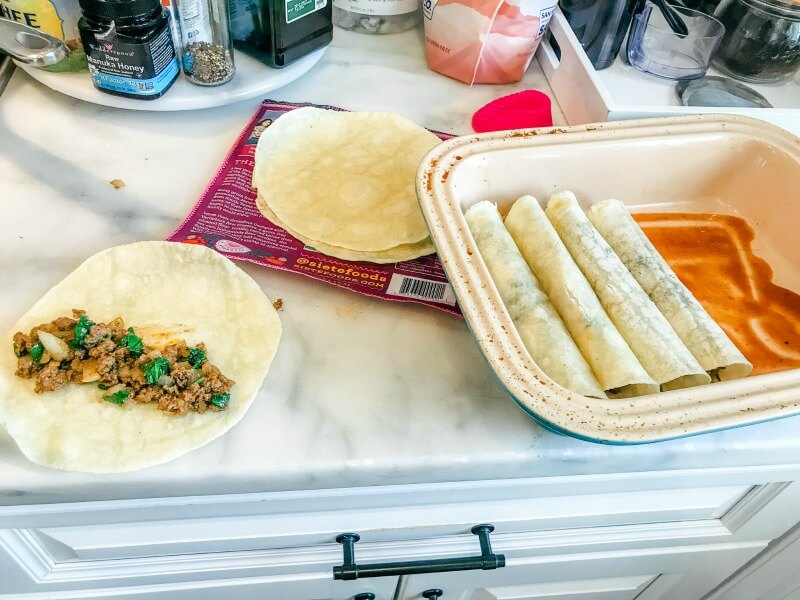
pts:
pixel 344 182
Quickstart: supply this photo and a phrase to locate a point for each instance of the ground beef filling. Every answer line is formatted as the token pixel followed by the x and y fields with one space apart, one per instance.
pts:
pixel 178 379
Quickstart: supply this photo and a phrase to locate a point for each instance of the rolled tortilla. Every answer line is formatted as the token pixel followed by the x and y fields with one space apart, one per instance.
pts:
pixel 706 340
pixel 614 364
pixel 537 322
pixel 646 330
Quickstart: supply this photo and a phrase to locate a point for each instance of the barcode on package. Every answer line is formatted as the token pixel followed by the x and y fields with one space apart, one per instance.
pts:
pixel 422 289
pixel 227 219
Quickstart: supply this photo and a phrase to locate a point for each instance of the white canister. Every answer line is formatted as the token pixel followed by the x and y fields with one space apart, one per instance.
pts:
pixel 376 16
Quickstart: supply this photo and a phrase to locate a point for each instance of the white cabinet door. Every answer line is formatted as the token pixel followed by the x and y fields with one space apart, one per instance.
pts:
pixel 793 595
pixel 31 570
pixel 772 575
pixel 312 586
pixel 553 549
pixel 606 588
pixel 678 573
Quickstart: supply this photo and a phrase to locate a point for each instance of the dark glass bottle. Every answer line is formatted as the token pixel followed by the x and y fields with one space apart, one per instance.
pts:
pixel 278 32
pixel 600 26
pixel 129 47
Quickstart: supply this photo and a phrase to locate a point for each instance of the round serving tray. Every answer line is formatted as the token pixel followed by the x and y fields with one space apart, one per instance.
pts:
pixel 253 79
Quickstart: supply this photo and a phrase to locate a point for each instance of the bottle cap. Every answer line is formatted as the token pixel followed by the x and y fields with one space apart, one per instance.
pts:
pixel 119 9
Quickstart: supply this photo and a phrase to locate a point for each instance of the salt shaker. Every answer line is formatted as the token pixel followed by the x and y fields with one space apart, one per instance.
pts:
pixel 206 44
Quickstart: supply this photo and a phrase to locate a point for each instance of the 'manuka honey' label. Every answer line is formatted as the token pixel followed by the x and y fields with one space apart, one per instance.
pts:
pixel 140 69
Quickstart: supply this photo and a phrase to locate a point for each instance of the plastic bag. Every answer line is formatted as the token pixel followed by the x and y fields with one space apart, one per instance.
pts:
pixel 484 41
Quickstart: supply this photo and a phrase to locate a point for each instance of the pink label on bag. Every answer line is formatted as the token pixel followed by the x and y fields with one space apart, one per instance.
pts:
pixel 484 41
pixel 227 219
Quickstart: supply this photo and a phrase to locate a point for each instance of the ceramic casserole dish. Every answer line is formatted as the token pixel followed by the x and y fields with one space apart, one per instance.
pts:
pixel 695 164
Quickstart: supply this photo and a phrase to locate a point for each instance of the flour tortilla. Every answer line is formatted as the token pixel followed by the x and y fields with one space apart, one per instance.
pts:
pixel 542 332
pixel 393 255
pixel 612 361
pixel 344 179
pixel 705 339
pixel 184 291
pixel 646 330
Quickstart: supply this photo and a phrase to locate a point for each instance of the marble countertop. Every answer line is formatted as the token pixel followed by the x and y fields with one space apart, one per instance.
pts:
pixel 362 392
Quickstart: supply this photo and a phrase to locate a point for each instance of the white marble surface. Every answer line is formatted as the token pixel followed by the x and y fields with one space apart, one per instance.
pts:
pixel 362 392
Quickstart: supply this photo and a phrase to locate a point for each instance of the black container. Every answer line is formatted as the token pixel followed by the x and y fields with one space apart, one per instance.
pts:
pixel 600 26
pixel 762 40
pixel 280 32
pixel 129 47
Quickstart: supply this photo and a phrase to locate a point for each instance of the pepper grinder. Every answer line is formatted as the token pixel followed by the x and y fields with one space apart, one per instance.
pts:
pixel 206 44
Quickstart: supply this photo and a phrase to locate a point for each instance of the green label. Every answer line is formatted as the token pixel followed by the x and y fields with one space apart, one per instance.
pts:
pixel 297 9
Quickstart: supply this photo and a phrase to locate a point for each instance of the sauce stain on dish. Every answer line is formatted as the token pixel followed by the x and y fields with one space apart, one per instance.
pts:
pixel 713 256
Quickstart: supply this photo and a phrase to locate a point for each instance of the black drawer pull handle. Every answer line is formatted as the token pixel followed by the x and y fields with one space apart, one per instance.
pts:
pixel 364 596
pixel 434 594
pixel 350 570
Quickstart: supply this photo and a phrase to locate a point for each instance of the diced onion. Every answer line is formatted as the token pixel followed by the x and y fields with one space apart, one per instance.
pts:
pixel 165 380
pixel 55 346
pixel 89 371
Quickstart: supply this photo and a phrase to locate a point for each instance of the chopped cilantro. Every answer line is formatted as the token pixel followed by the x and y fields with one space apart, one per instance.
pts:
pixel 36 352
pixel 221 400
pixel 154 369
pixel 133 342
pixel 102 386
pixel 196 357
pixel 118 397
pixel 81 330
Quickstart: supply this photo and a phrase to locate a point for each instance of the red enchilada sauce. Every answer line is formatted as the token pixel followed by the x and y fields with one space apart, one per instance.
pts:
pixel 713 256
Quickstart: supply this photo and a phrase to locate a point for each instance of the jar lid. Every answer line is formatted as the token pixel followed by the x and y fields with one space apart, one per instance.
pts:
pixel 119 9
pixel 785 8
pixel 719 92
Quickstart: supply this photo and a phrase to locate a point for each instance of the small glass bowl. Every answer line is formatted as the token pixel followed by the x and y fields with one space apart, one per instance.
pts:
pixel 654 48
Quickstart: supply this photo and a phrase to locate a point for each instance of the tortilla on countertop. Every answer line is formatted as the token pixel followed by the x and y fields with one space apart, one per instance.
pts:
pixel 182 290
pixel 392 255
pixel 344 179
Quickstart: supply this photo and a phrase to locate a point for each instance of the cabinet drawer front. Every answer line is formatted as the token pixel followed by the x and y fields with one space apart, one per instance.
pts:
pixel 661 573
pixel 594 565
pixel 291 530
pixel 255 588
pixel 607 588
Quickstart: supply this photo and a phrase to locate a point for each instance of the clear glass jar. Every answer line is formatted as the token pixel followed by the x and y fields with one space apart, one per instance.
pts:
pixel 206 44
pixel 762 39
pixel 377 16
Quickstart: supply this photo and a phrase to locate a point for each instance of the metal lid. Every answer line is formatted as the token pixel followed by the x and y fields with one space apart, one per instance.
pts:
pixel 29 45
pixel 719 92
